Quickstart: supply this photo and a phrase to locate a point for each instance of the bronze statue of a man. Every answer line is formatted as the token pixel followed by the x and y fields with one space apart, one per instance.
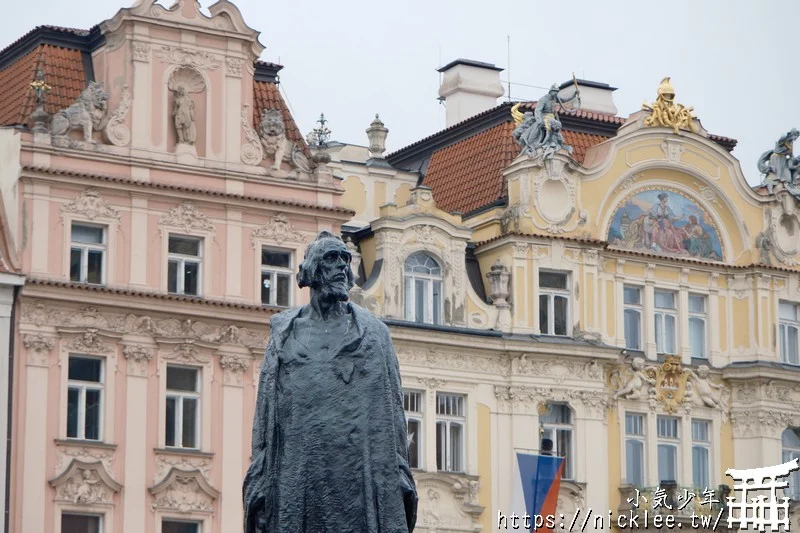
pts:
pixel 330 451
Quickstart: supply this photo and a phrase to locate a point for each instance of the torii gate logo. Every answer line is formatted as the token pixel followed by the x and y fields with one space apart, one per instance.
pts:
pixel 765 510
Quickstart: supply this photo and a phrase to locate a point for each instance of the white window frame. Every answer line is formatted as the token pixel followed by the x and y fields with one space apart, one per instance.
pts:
pixel 706 445
pixel 551 294
pixel 199 522
pixel 409 296
pixel 787 454
pixel 179 395
pixel 84 249
pixel 419 417
pixel 182 259
pixel 273 271
pixel 659 314
pixel 673 442
pixel 450 420
pixel 641 438
pixel 785 326
pixel 637 308
pixel 82 387
pixel 554 428
pixel 71 512
pixel 698 316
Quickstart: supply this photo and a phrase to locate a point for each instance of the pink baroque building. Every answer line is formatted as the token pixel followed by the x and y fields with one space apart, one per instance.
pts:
pixel 158 196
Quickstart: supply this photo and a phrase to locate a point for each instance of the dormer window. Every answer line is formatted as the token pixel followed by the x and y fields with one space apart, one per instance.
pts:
pixel 423 289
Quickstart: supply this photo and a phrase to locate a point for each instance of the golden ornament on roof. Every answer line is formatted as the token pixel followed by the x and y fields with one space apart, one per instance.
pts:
pixel 665 112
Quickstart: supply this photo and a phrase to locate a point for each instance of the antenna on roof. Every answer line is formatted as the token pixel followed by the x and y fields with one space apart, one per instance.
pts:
pixel 508 65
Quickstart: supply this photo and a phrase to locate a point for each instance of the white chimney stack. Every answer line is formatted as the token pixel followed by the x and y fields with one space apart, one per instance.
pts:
pixel 468 88
pixel 595 97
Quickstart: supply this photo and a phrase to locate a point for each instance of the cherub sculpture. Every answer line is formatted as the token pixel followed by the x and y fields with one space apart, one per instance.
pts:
pixel 639 383
pixel 708 392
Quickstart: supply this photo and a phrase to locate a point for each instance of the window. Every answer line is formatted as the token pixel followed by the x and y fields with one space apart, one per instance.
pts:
pixel 449 432
pixel 84 398
pixel 557 426
pixel 183 407
pixel 665 322
pixel 790 441
pixel 788 327
pixel 81 523
pixel 634 449
pixel 553 303
pixel 86 255
pixel 423 289
pixel 668 442
pixel 176 526
pixel 697 325
pixel 276 277
pixel 412 405
pixel 632 299
pixel 183 269
pixel 701 453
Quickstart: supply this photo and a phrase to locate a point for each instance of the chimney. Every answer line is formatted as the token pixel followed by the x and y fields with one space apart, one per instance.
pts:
pixel 595 96
pixel 468 88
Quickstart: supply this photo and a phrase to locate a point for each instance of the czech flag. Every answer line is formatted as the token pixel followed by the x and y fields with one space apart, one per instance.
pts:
pixel 536 490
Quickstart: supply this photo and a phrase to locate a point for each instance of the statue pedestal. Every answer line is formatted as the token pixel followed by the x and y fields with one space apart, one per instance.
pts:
pixel 186 154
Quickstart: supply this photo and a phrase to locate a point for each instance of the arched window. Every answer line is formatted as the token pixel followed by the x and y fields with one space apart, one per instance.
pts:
pixel 423 289
pixel 790 441
pixel 557 427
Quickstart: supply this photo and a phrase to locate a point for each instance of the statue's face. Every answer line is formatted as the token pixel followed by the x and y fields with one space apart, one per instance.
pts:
pixel 332 270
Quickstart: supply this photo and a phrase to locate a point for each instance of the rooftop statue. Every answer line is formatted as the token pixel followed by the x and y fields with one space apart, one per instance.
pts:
pixel 330 449
pixel 539 133
pixel 779 165
pixel 666 112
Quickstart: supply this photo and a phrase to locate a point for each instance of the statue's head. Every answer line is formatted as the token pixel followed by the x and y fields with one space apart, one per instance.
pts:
pixel 326 267
pixel 662 197
pixel 553 89
pixel 637 363
pixel 702 371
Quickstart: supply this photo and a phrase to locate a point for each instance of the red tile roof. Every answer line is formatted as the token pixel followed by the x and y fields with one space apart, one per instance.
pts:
pixel 467 175
pixel 64 74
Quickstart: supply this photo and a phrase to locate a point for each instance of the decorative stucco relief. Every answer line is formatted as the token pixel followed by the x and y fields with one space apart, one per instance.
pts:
pixel 555 198
pixel 571 498
pixel 166 462
pixel 90 204
pixel 527 399
pixel 38 347
pixel 448 502
pixel 90 342
pixel 199 59
pixel 138 358
pixel 184 492
pixel 186 353
pixel 66 451
pixel 234 67
pixel 141 51
pixel 763 422
pixel 85 483
pixel 233 368
pixel 186 217
pixel 497 365
pixel 741 285
pixel 278 230
pixel 557 371
pixel 251 152
pixel 116 132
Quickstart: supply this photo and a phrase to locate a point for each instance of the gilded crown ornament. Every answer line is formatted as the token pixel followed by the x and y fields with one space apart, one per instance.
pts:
pixel 668 113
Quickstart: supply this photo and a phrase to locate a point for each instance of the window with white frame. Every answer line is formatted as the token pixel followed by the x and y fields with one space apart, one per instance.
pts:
pixel 666 318
pixel 179 526
pixel 667 429
pixel 413 407
pixel 634 449
pixel 788 327
pixel 183 407
pixel 87 253
pixel 701 454
pixel 697 325
pixel 276 277
pixel 632 300
pixel 450 434
pixel 557 426
pixel 81 523
pixel 423 289
pixel 85 398
pixel 790 443
pixel 553 303
pixel 183 268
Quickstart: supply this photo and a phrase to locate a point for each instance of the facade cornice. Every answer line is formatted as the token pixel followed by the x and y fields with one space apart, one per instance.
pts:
pixel 340 214
pixel 762 370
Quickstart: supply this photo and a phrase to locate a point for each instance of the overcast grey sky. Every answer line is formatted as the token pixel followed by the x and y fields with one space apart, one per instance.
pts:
pixel 735 61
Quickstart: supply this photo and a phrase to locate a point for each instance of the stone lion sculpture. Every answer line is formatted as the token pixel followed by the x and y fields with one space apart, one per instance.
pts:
pixel 87 113
pixel 273 136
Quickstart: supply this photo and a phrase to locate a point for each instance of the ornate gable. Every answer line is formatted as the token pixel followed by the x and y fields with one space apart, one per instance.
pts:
pixel 184 491
pixel 84 483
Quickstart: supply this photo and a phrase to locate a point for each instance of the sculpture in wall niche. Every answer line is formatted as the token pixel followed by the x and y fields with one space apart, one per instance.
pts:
pixel 666 112
pixel 539 133
pixel 666 222
pixel 87 113
pixel 272 131
pixel 779 165
pixel 184 82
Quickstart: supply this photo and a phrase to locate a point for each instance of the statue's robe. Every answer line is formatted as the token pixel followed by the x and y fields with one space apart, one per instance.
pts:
pixel 330 450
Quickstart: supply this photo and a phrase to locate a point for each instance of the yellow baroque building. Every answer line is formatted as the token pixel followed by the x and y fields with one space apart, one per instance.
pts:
pixel 634 304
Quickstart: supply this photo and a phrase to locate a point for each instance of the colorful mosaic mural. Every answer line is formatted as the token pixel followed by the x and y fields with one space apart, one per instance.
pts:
pixel 663 221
